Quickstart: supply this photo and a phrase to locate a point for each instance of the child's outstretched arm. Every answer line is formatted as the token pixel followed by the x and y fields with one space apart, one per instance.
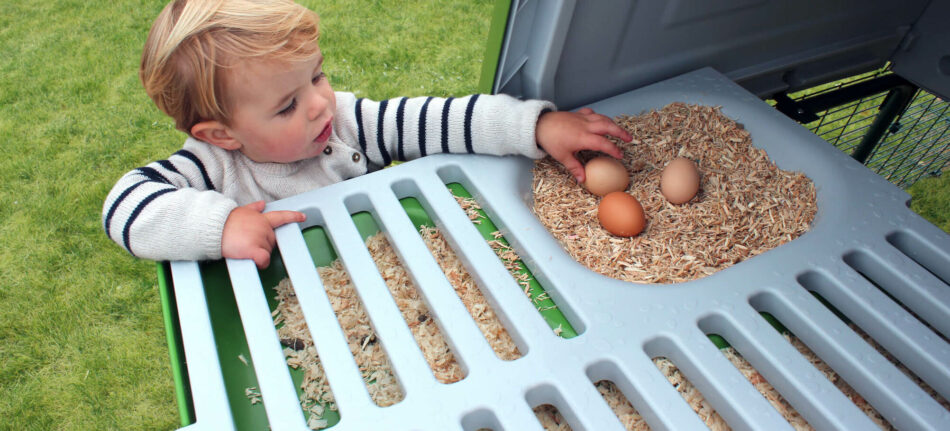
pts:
pixel 174 210
pixel 407 128
pixel 562 134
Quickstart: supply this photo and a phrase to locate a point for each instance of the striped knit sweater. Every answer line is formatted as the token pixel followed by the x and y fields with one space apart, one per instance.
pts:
pixel 175 209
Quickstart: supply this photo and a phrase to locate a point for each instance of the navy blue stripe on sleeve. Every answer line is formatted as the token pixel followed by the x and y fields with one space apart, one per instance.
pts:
pixel 153 175
pixel 169 166
pixel 201 166
pixel 380 139
pixel 445 124
pixel 400 113
pixel 422 127
pixel 135 214
pixel 468 124
pixel 359 125
pixel 118 200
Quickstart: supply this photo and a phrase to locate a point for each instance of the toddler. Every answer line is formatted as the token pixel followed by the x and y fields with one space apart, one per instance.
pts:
pixel 244 79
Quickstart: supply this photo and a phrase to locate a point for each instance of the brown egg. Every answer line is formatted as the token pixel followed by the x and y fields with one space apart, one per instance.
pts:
pixel 679 181
pixel 621 214
pixel 605 175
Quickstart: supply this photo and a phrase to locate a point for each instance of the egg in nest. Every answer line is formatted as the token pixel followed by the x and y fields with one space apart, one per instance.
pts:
pixel 605 175
pixel 621 214
pixel 679 181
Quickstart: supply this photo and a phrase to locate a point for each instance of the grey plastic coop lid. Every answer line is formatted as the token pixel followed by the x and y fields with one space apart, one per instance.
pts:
pixel 576 52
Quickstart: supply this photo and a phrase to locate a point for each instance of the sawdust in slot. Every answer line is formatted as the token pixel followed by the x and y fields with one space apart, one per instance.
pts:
pixel 541 300
pixel 424 329
pixel 621 406
pixel 504 252
pixel 691 394
pixel 746 204
pixel 485 318
pixel 370 356
pixel 550 418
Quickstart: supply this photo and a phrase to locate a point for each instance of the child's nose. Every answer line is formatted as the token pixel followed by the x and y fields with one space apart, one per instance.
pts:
pixel 318 104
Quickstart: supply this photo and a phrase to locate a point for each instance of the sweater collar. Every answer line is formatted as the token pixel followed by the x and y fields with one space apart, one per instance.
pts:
pixel 270 168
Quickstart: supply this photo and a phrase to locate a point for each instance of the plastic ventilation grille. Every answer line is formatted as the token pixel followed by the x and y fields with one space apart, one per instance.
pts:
pixel 863 232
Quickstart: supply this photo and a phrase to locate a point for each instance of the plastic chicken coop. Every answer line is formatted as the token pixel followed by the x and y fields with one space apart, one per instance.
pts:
pixel 867 260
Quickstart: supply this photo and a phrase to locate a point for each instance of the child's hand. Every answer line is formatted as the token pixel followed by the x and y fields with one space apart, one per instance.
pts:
pixel 562 134
pixel 249 233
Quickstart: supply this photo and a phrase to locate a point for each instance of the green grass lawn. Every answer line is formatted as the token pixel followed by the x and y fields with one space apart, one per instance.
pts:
pixel 931 199
pixel 82 343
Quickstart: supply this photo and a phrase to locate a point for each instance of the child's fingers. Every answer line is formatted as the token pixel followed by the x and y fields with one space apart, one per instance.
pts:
pixel 573 166
pixel 606 126
pixel 261 257
pixel 280 218
pixel 603 125
pixel 598 142
pixel 256 206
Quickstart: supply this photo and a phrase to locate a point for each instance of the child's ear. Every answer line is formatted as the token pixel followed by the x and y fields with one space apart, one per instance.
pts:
pixel 215 133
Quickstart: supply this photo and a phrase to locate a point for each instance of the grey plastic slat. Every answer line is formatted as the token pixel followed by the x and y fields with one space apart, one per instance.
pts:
pixel 618 322
pixel 924 243
pixel 495 282
pixel 582 396
pixel 912 285
pixel 734 397
pixel 377 301
pixel 206 379
pixel 330 342
pixel 652 395
pixel 815 398
pixel 277 388
pixel 891 393
pixel 913 344
pixel 450 314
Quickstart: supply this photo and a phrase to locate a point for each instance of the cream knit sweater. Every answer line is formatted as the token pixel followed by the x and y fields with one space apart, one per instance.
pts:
pixel 175 209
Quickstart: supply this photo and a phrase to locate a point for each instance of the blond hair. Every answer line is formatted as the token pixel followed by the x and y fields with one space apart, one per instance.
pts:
pixel 193 42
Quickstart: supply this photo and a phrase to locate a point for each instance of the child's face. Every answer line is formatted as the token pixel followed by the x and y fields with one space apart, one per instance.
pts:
pixel 283 112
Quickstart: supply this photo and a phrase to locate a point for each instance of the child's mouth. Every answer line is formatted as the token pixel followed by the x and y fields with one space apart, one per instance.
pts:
pixel 325 134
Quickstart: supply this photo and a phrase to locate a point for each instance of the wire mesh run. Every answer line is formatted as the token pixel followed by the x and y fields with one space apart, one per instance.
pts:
pixel 915 144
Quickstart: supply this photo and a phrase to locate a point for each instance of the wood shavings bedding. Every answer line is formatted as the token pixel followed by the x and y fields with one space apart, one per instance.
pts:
pixel 746 205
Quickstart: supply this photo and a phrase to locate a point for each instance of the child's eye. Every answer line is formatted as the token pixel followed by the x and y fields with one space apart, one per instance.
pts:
pixel 319 77
pixel 289 109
